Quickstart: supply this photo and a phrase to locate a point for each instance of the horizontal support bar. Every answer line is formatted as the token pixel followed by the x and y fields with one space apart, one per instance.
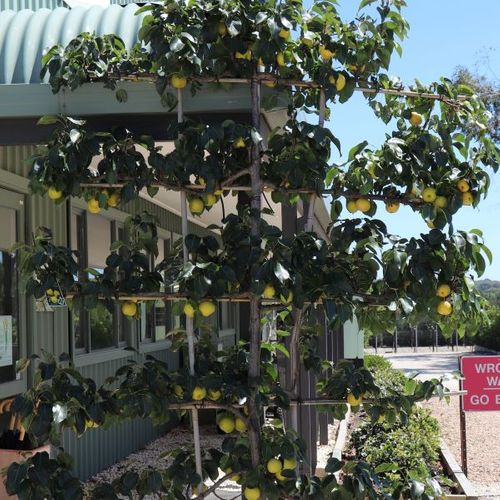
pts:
pixel 268 77
pixel 209 405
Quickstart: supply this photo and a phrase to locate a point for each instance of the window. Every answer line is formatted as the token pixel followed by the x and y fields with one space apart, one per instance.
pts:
pixel 102 327
pixel 227 316
pixel 11 310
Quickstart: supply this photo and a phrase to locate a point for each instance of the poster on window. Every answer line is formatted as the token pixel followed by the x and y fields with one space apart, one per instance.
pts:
pixel 6 340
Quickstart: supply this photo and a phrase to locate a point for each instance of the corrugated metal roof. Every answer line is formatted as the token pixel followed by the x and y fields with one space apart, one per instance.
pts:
pixel 25 34
pixel 30 4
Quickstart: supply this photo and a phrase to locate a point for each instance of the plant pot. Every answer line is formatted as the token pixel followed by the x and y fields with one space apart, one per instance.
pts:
pixel 8 457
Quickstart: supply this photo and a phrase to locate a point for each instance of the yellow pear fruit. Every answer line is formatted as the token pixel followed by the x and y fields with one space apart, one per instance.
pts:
pixel 280 59
pixel 429 195
pixel 196 206
pixel 129 308
pixel 244 55
pixel 340 83
pixel 441 202
pixel 325 53
pixel 93 206
pixel 274 466
pixel 206 308
pixel 54 193
pixel 363 205
pixel 415 119
pixel 467 198
pixel 214 394
pixel 280 477
pixel 178 81
pixel 289 463
pixel 307 42
pixel 221 29
pixel 199 393
pixel 240 425
pixel 269 292
pixel 443 290
pixel 189 310
pixel 270 83
pixel 444 308
pixel 210 200
pixel 239 143
pixel 251 493
pixel 178 390
pixel 284 33
pixel 463 186
pixel 352 206
pixel 91 424
pixel 226 424
pixel 234 477
pixel 114 200
pixel 353 400
pixel 392 207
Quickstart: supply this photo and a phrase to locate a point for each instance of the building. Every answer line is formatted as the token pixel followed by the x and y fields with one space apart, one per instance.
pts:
pixel 95 341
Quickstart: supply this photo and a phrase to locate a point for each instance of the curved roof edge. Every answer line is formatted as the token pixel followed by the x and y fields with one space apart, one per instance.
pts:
pixel 25 34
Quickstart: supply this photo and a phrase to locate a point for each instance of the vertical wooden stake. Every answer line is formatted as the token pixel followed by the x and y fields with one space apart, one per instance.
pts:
pixel 463 427
pixel 255 326
pixel 189 321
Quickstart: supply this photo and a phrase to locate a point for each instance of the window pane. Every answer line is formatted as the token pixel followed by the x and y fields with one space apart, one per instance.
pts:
pixel 100 318
pixel 9 339
pixel 101 327
pixel 99 240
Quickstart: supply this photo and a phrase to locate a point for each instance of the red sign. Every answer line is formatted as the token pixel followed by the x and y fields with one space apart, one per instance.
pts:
pixel 482 383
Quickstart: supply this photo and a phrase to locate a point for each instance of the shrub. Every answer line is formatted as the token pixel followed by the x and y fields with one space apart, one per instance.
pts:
pixel 376 362
pixel 384 375
pixel 489 336
pixel 412 448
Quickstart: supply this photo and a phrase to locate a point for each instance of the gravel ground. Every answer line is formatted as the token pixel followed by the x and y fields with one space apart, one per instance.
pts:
pixel 483 428
pixel 151 457
pixel 324 450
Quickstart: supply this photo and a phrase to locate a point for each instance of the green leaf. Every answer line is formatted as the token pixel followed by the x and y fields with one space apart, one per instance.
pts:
pixel 47 120
pixel 74 135
pixel 386 467
pixel 121 95
pixel 356 150
pixel 153 191
pixel 281 273
pixel 176 44
pixel 364 3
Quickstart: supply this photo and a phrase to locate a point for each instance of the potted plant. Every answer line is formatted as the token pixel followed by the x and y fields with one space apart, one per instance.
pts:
pixel 15 444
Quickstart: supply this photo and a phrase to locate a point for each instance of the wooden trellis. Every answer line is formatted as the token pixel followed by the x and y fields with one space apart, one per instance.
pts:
pixel 255 189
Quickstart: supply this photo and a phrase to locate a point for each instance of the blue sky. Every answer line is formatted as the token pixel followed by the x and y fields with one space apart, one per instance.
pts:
pixel 443 34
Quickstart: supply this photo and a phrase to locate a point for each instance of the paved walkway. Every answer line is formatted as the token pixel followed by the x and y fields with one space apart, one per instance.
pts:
pixel 427 364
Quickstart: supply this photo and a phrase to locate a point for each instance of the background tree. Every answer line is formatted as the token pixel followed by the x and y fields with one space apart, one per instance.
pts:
pixel 488 90
pixel 434 161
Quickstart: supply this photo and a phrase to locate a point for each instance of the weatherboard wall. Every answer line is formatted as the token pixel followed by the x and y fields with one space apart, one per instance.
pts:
pixel 100 448
pixel 50 330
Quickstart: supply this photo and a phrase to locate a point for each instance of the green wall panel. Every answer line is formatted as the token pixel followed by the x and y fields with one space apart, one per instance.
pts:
pixel 100 448
pixel 13 159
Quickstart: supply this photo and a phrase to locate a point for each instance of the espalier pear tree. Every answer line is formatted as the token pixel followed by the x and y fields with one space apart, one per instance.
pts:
pixel 434 159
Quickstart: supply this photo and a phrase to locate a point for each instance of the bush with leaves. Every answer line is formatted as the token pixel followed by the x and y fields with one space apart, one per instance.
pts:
pixel 400 452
